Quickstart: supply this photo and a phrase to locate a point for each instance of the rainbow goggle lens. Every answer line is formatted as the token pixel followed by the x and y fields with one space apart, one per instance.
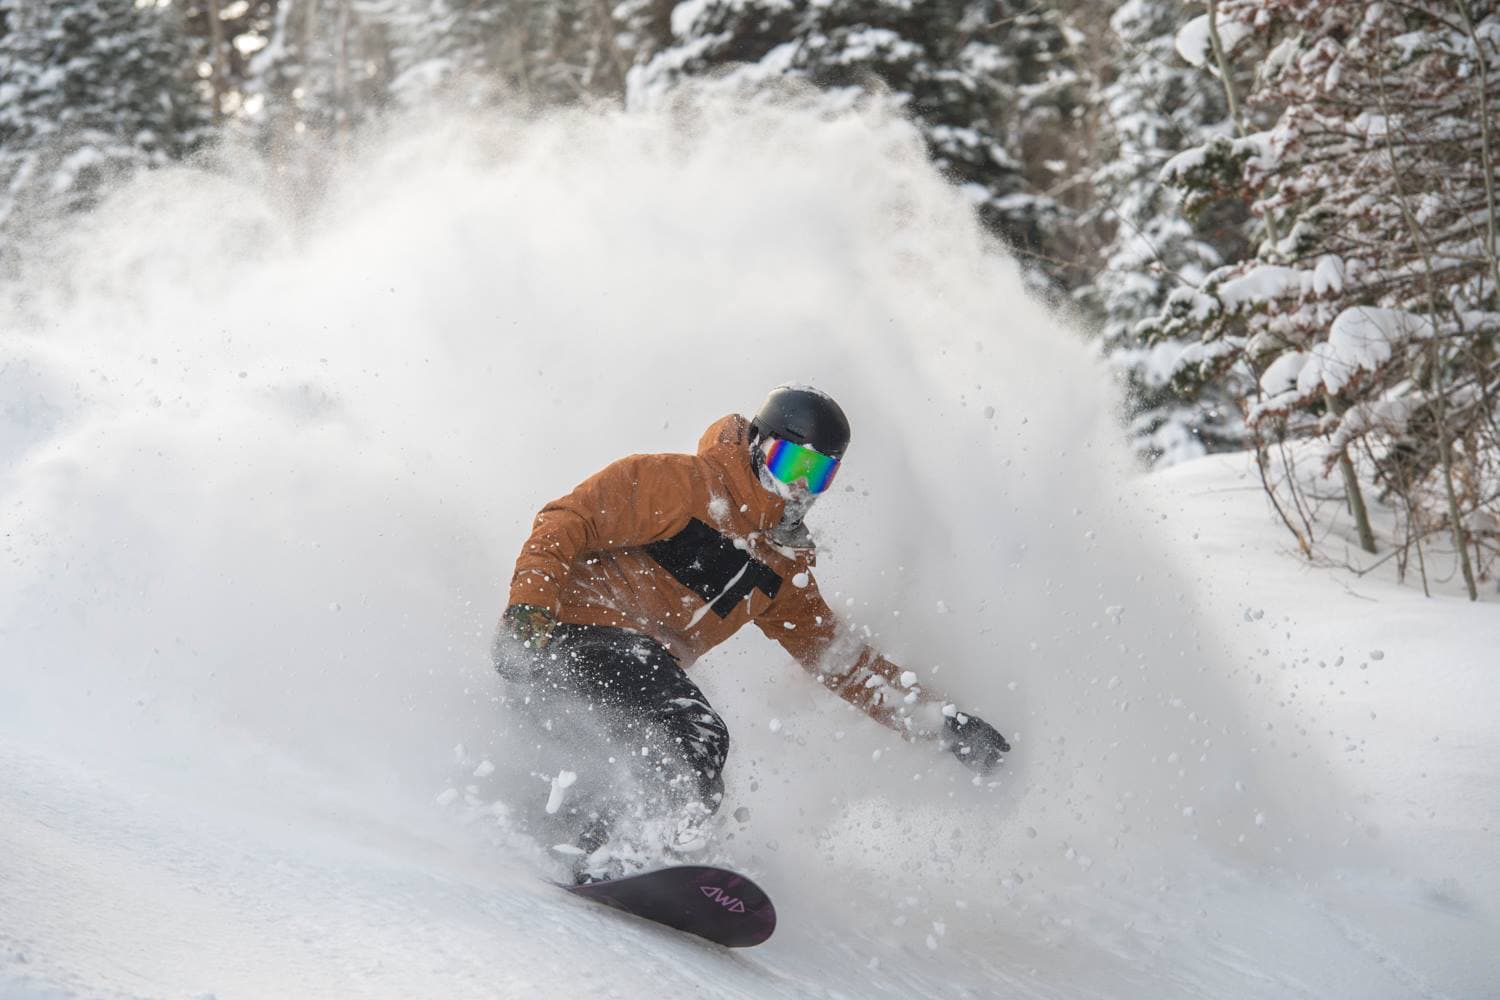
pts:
pixel 789 462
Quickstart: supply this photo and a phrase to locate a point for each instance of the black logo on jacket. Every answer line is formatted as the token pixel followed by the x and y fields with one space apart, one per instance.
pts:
pixel 709 564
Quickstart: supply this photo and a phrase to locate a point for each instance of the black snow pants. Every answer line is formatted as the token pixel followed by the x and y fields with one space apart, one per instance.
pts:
pixel 625 700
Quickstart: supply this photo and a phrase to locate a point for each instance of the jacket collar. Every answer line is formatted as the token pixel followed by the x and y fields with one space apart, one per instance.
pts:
pixel 726 447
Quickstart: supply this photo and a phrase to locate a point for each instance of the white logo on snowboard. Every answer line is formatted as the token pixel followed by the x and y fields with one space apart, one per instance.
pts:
pixel 730 903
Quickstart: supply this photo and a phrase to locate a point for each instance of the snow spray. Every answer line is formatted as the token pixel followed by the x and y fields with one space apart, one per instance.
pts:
pixel 264 479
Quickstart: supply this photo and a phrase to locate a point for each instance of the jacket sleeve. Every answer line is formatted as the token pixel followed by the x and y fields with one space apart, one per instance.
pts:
pixel 807 628
pixel 635 501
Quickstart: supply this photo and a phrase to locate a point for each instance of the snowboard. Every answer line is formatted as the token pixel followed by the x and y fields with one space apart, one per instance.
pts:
pixel 713 903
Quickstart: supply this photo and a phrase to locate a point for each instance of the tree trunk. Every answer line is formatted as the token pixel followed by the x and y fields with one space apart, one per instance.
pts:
pixel 1352 491
pixel 1356 498
pixel 1226 77
pixel 1460 533
pixel 216 60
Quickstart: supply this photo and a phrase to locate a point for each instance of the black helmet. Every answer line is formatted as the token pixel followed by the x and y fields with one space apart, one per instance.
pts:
pixel 803 415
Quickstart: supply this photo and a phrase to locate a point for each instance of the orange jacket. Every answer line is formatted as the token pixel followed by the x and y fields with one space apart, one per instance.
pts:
pixel 675 547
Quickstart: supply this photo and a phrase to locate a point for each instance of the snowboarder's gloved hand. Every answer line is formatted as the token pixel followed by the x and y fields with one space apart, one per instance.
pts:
pixel 529 625
pixel 976 743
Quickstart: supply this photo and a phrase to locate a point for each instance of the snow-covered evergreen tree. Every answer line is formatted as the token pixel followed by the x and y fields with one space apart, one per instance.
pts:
pixel 576 51
pixel 544 52
pixel 90 90
pixel 1154 106
pixel 441 46
pixel 644 27
pixel 323 73
pixel 225 36
pixel 981 80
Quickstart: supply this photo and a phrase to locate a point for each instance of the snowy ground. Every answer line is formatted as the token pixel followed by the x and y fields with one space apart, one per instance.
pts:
pixel 259 510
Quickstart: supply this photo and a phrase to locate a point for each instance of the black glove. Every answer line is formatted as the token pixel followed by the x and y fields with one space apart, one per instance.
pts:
pixel 976 743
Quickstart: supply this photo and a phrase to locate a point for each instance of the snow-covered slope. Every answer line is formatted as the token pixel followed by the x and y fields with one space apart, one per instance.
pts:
pixel 262 485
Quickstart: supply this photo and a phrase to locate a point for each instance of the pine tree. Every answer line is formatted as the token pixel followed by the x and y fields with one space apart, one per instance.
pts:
pixel 481 52
pixel 323 73
pixel 578 51
pixel 90 91
pixel 644 28
pixel 225 36
pixel 1153 107
pixel 986 85
pixel 455 48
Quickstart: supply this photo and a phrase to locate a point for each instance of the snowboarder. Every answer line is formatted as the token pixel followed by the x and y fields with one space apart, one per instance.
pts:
pixel 656 559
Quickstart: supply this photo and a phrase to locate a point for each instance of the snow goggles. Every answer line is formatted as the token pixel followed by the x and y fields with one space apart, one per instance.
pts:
pixel 789 462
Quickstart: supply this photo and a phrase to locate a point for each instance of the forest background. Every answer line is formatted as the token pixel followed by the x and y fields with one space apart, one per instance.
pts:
pixel 1277 218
